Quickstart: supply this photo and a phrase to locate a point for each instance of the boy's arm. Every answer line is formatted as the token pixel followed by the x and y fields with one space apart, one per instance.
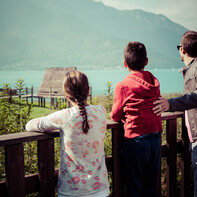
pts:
pixel 117 108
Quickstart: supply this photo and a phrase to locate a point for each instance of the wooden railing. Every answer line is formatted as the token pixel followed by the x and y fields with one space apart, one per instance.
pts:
pixel 19 185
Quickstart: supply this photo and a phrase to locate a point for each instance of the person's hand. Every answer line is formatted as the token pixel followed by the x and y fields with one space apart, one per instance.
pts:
pixel 161 105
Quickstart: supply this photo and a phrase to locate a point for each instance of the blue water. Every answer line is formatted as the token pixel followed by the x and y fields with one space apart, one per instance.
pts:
pixel 171 80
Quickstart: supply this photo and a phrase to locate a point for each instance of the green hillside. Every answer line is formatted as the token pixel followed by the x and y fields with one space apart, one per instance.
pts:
pixel 38 34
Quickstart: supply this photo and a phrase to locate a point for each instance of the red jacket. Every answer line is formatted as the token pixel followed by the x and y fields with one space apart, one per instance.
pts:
pixel 133 103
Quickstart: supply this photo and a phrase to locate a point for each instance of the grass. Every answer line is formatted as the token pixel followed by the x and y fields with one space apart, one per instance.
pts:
pixel 96 100
pixel 40 111
pixel 37 111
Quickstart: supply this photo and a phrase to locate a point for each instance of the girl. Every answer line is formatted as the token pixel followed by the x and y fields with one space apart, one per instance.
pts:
pixel 82 128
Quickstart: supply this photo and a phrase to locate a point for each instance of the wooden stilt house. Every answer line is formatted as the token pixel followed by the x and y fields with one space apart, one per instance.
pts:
pixel 51 85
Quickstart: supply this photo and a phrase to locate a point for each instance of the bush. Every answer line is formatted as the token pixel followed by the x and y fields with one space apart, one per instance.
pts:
pixel 14 114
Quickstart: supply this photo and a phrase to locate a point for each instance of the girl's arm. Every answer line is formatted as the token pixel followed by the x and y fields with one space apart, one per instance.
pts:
pixel 50 122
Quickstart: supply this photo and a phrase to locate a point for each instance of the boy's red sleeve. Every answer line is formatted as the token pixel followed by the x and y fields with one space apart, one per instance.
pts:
pixel 117 108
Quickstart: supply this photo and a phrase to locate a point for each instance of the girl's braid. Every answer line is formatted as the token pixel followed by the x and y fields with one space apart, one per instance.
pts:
pixel 79 100
pixel 81 105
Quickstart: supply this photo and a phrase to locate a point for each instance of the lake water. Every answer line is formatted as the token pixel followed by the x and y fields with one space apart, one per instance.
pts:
pixel 171 81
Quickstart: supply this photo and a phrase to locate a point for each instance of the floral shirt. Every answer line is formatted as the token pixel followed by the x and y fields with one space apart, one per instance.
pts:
pixel 82 166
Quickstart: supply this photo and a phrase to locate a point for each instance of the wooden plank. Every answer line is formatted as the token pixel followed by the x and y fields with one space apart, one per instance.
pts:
pixel 26 94
pixel 117 173
pixel 22 137
pixel 32 180
pixel 16 138
pixel 3 188
pixel 112 124
pixel 14 163
pixel 109 163
pixel 159 176
pixel 32 95
pixel 31 184
pixel 170 150
pixel 46 167
pixel 171 115
pixel 171 131
pixel 186 165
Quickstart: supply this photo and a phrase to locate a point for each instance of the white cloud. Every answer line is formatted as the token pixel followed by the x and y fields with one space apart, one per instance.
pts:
pixel 180 11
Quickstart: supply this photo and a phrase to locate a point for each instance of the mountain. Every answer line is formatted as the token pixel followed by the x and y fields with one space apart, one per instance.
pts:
pixel 37 34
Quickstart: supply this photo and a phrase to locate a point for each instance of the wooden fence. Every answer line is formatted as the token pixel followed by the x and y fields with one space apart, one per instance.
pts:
pixel 31 93
pixel 19 185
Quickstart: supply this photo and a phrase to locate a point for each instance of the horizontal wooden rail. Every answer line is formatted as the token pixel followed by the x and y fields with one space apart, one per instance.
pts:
pixel 15 138
pixel 17 184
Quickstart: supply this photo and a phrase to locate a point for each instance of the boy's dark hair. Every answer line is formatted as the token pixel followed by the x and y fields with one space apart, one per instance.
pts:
pixel 135 55
pixel 189 43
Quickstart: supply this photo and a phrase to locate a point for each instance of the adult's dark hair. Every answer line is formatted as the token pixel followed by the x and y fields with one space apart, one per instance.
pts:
pixel 135 55
pixel 76 88
pixel 189 43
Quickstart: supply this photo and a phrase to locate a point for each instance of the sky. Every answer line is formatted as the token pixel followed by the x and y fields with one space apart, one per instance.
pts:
pixel 182 12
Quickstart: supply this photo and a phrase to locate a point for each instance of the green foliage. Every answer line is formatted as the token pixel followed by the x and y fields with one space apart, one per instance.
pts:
pixel 57 152
pixel 30 157
pixel 109 97
pixel 108 143
pixel 95 101
pixel 2 163
pixel 60 104
pixel 14 114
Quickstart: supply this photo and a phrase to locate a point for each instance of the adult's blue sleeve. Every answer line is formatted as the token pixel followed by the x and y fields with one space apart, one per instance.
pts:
pixel 185 102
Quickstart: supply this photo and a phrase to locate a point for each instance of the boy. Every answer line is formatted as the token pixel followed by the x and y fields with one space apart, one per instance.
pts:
pixel 133 103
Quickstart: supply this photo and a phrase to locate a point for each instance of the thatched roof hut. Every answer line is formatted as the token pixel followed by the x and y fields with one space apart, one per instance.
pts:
pixel 52 82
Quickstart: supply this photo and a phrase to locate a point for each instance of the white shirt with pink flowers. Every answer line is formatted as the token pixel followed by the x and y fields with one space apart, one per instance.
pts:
pixel 82 166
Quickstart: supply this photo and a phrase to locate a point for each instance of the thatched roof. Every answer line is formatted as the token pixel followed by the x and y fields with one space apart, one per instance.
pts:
pixel 52 79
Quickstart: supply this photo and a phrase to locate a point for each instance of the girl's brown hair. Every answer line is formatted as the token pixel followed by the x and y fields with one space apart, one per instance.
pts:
pixel 76 88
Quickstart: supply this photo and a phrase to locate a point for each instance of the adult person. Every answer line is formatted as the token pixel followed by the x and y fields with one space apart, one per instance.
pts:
pixel 187 102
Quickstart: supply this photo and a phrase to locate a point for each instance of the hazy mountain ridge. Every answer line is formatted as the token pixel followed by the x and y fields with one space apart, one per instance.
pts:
pixel 36 34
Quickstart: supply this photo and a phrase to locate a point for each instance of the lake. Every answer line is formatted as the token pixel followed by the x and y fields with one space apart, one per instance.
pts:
pixel 171 81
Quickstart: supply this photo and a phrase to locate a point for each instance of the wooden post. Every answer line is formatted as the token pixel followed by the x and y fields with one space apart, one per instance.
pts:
pixel 90 95
pixel 46 167
pixel 56 103
pixel 39 101
pixel 186 166
pixel 159 178
pixel 117 174
pixel 171 130
pixel 14 163
pixel 10 96
pixel 50 92
pixel 32 94
pixel 26 95
pixel 68 103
